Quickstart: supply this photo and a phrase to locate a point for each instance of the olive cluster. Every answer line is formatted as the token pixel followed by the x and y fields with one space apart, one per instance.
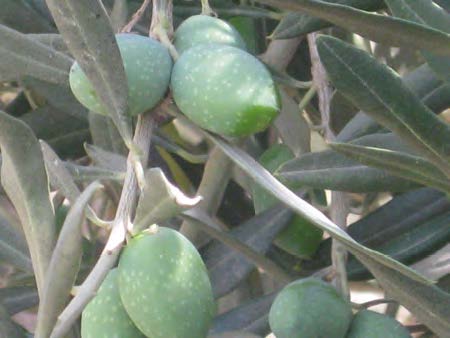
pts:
pixel 215 82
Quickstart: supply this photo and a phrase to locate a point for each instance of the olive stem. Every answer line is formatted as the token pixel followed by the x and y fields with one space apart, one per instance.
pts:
pixel 136 17
pixel 339 202
pixel 206 9
pixel 161 27
pixel 127 204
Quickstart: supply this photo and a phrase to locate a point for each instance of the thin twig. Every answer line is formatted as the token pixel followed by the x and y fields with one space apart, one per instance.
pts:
pixel 339 203
pixel 126 206
pixel 371 303
pixel 136 17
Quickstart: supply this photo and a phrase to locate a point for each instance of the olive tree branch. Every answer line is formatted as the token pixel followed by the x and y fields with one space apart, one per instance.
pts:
pixel 108 258
pixel 339 204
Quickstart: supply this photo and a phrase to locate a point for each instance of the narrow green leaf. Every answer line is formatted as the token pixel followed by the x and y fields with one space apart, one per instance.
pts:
pixel 28 21
pixel 408 287
pixel 22 55
pixel 401 164
pixel 105 135
pixel 423 83
pixel 160 200
pixel 258 233
pixel 331 170
pixel 87 31
pixel 299 206
pixel 19 298
pixel 13 249
pixel 59 97
pixel 105 159
pixel 292 126
pixel 234 334
pixel 7 327
pixel 379 92
pixel 379 28
pixel 411 246
pixel 24 179
pixel 295 24
pixel 252 316
pixel 428 303
pixel 52 40
pixel 64 265
pixel 426 12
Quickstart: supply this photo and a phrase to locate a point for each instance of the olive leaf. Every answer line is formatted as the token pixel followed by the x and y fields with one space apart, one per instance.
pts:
pixel 379 92
pixel 426 13
pixel 401 164
pixel 295 24
pixel 16 299
pixel 252 316
pixel 258 233
pixel 13 247
pixel 160 200
pixel 64 265
pixel 24 179
pixel 105 159
pixel 22 55
pixel 383 29
pixel 86 29
pixel 29 20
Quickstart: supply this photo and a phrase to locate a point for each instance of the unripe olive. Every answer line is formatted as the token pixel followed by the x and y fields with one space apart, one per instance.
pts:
pixel 148 66
pixel 164 285
pixel 225 90
pixel 370 324
pixel 200 29
pixel 309 308
pixel 105 316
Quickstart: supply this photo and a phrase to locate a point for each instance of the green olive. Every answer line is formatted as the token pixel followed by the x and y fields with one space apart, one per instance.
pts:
pixel 225 90
pixel 309 308
pixel 370 324
pixel 164 285
pixel 105 316
pixel 200 29
pixel 148 66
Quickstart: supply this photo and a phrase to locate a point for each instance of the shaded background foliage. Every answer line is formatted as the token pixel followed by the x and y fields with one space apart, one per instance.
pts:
pixel 396 200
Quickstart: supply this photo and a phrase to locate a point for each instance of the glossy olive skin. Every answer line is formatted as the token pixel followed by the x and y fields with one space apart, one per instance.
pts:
pixel 309 308
pixel 148 66
pixel 201 29
pixel 225 90
pixel 164 285
pixel 105 316
pixel 370 324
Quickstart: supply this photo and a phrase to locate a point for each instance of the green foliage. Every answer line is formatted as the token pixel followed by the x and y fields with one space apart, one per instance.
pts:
pixel 362 109
pixel 310 308
pixel 225 90
pixel 147 66
pixel 164 285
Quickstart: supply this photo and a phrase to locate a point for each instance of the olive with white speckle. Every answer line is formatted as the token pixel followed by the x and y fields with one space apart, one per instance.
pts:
pixel 105 316
pixel 200 29
pixel 164 285
pixel 310 308
pixel 148 66
pixel 225 90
